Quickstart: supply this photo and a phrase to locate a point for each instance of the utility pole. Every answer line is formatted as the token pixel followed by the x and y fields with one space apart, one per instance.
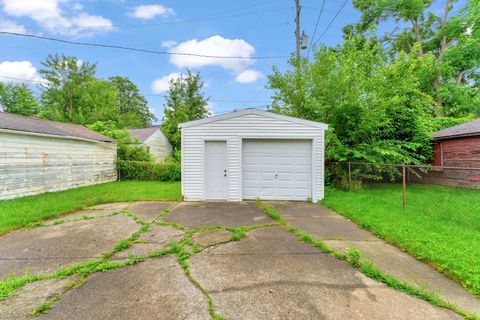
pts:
pixel 297 30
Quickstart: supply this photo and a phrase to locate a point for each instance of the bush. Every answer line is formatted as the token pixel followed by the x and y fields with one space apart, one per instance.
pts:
pixel 142 170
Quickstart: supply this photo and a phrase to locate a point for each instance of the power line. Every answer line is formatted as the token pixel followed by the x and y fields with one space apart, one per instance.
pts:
pixel 109 46
pixel 315 30
pixel 331 22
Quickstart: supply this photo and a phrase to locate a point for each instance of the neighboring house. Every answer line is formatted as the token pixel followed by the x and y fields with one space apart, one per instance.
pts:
pixel 251 153
pixel 458 146
pixel 38 156
pixel 154 139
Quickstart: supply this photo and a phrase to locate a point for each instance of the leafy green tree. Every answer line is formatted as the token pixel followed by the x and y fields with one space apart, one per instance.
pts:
pixel 376 108
pixel 128 148
pixel 17 98
pixel 66 80
pixel 451 39
pixel 185 102
pixel 131 106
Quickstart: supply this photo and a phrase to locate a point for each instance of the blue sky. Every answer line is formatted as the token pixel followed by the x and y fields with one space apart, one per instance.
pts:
pixel 226 28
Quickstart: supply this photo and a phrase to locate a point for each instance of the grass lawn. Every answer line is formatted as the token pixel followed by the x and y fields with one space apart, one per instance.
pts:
pixel 21 212
pixel 440 225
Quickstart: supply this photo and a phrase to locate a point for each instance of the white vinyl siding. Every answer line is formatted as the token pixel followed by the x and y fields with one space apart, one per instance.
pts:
pixel 234 130
pixel 32 163
pixel 158 145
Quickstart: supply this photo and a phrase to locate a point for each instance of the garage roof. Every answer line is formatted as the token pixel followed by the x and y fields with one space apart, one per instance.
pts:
pixel 252 111
pixel 16 122
pixel 467 129
pixel 143 133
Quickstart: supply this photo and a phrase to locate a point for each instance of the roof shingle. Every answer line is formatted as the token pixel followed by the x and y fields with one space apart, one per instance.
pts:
pixel 143 133
pixel 466 129
pixel 16 122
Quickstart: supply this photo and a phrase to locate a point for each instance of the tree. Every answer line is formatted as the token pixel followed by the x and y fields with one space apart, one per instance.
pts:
pixel 185 102
pixel 18 98
pixel 376 107
pixel 65 78
pixel 453 41
pixel 131 106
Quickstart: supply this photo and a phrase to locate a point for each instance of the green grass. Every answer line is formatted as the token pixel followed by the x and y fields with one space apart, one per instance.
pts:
pixel 440 225
pixel 28 211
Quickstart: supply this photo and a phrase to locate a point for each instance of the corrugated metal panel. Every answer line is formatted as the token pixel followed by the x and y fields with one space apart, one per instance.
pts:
pixel 33 164
pixel 233 130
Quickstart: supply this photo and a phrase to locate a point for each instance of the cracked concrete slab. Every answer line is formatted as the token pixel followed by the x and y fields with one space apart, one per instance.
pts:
pixel 117 206
pixel 401 265
pixel 326 225
pixel 29 297
pixel 270 275
pixel 154 289
pixel 155 239
pixel 46 249
pixel 149 210
pixel 320 222
pixel 209 238
pixel 233 214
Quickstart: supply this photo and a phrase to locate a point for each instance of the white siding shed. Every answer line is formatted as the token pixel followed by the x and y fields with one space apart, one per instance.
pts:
pixel 155 140
pixel 252 153
pixel 38 156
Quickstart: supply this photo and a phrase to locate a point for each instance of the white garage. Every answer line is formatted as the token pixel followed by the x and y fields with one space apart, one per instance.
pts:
pixel 250 153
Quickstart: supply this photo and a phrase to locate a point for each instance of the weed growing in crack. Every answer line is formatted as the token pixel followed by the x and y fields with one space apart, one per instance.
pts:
pixel 354 258
pixel 238 233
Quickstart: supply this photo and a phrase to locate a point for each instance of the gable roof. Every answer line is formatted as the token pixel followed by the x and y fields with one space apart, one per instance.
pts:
pixel 467 129
pixel 243 112
pixel 10 121
pixel 143 133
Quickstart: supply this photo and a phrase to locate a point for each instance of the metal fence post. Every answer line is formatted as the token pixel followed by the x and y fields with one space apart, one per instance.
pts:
pixel 404 187
pixel 349 174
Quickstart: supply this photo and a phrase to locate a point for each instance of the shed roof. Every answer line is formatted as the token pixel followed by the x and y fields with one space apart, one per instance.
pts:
pixel 238 113
pixel 16 122
pixel 467 129
pixel 143 133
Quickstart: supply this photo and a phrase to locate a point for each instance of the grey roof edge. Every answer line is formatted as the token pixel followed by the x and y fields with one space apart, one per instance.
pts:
pixel 239 113
pixel 467 129
pixel 142 139
pixel 55 128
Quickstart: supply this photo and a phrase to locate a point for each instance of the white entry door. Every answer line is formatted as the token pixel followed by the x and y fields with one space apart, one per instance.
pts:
pixel 215 170
pixel 277 169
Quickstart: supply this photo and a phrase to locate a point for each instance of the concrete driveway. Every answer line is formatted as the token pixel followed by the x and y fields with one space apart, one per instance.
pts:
pixel 158 260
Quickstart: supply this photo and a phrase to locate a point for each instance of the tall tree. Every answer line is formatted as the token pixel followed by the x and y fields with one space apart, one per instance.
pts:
pixel 17 98
pixel 428 28
pixel 131 106
pixel 185 102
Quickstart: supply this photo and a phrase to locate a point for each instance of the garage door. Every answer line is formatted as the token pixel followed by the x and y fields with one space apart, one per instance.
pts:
pixel 277 169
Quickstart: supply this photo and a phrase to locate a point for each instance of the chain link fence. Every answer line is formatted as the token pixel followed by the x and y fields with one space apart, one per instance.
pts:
pixel 449 190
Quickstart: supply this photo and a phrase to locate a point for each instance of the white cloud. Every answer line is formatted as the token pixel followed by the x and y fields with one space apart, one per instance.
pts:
pixel 7 25
pixel 14 71
pixel 161 85
pixel 214 46
pixel 248 76
pixel 168 43
pixel 151 11
pixel 57 16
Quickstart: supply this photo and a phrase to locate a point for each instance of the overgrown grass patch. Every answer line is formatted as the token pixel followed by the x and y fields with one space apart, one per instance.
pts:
pixel 29 211
pixel 440 225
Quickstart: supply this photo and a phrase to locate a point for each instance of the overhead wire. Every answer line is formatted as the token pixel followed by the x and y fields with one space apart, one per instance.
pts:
pixel 331 21
pixel 110 46
pixel 315 30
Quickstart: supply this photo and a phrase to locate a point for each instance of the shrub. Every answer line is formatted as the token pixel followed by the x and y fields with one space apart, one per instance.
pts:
pixel 142 170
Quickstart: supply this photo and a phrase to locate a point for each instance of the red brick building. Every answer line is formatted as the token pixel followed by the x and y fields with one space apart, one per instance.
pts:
pixel 458 146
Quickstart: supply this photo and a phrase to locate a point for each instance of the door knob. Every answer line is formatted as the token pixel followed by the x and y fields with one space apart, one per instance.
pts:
pixel 225 173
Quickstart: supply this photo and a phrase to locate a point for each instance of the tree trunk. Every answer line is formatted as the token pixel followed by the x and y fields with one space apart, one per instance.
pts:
pixel 418 36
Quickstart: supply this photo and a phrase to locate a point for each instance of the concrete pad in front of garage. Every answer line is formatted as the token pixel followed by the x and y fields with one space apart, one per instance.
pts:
pixel 46 249
pixel 320 222
pixel 32 295
pixel 233 214
pixel 270 275
pixel 154 289
pixel 157 238
pixel 149 210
